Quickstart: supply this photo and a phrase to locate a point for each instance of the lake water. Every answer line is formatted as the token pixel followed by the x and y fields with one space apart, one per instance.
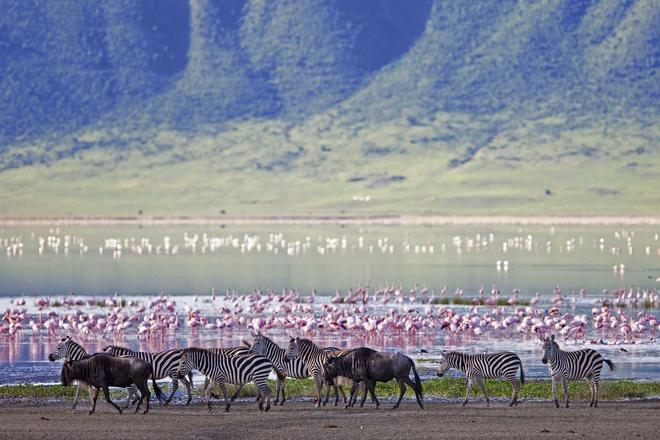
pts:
pixel 189 263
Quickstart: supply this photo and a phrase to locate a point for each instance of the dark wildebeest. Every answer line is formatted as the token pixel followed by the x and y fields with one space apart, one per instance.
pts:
pixel 370 366
pixel 103 370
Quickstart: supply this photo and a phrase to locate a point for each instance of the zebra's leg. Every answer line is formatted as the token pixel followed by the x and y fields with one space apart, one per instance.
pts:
pixel 402 391
pixel 596 389
pixel 188 386
pixel 469 391
pixel 327 394
pixel 94 397
pixel 283 398
pixel 208 388
pixel 554 392
pixel 128 397
pixel 75 399
pixel 319 388
pixel 263 390
pixel 590 382
pixel 106 393
pixel 175 386
pixel 515 384
pixel 223 387
pixel 206 384
pixel 343 395
pixel 278 387
pixel 482 385
pixel 238 392
pixel 564 384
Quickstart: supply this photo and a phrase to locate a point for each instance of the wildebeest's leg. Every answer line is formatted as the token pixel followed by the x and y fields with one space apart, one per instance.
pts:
pixel 564 384
pixel 175 386
pixel 145 394
pixel 319 388
pixel 554 392
pixel 278 387
pixel 351 402
pixel 371 386
pixel 364 396
pixel 482 385
pixel 414 387
pixel 106 393
pixel 402 391
pixel 94 397
pixel 283 398
pixel 469 391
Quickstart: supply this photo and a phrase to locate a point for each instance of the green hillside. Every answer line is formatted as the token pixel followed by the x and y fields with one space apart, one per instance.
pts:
pixel 329 107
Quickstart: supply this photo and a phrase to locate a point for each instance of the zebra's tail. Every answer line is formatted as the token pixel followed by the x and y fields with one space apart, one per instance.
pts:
pixel 522 373
pixel 190 375
pixel 609 363
pixel 418 382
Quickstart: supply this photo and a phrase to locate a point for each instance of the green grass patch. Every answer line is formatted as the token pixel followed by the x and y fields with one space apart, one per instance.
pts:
pixel 441 388
pixel 461 301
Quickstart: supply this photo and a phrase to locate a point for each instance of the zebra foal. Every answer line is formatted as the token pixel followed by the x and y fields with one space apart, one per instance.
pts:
pixel 222 368
pixel 478 367
pixel 585 364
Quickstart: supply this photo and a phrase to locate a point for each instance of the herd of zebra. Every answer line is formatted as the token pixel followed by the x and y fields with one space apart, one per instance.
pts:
pixel 361 368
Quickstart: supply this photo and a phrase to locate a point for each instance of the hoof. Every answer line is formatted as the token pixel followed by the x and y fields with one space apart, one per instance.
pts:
pixel 90 413
pixel 395 406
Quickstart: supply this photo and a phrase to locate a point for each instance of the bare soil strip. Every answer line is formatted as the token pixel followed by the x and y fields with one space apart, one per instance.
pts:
pixel 300 420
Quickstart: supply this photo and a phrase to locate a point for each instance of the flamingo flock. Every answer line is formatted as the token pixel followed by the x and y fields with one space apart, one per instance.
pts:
pixel 624 316
pixel 56 242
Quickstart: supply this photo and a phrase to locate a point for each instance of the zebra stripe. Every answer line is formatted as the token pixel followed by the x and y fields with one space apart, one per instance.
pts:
pixel 478 367
pixel 163 364
pixel 70 350
pixel 222 368
pixel 584 364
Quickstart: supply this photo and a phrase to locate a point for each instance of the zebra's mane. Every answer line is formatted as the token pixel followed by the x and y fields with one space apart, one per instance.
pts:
pixel 307 343
pixel 120 348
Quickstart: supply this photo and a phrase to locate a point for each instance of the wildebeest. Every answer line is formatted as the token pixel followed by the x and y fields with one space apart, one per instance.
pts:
pixel 102 371
pixel 370 366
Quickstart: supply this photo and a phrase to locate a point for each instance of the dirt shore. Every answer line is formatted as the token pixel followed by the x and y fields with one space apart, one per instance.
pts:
pixel 384 220
pixel 300 420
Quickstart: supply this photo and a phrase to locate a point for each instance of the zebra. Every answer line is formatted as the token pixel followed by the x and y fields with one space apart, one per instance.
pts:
pixel 283 368
pixel 164 364
pixel 70 350
pixel 231 351
pixel 478 367
pixel 573 365
pixel 223 368
pixel 313 358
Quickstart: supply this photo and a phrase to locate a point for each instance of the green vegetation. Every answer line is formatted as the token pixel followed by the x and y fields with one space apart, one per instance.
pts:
pixel 440 388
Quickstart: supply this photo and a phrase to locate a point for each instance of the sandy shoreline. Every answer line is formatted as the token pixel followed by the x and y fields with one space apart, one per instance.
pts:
pixel 394 220
pixel 301 420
